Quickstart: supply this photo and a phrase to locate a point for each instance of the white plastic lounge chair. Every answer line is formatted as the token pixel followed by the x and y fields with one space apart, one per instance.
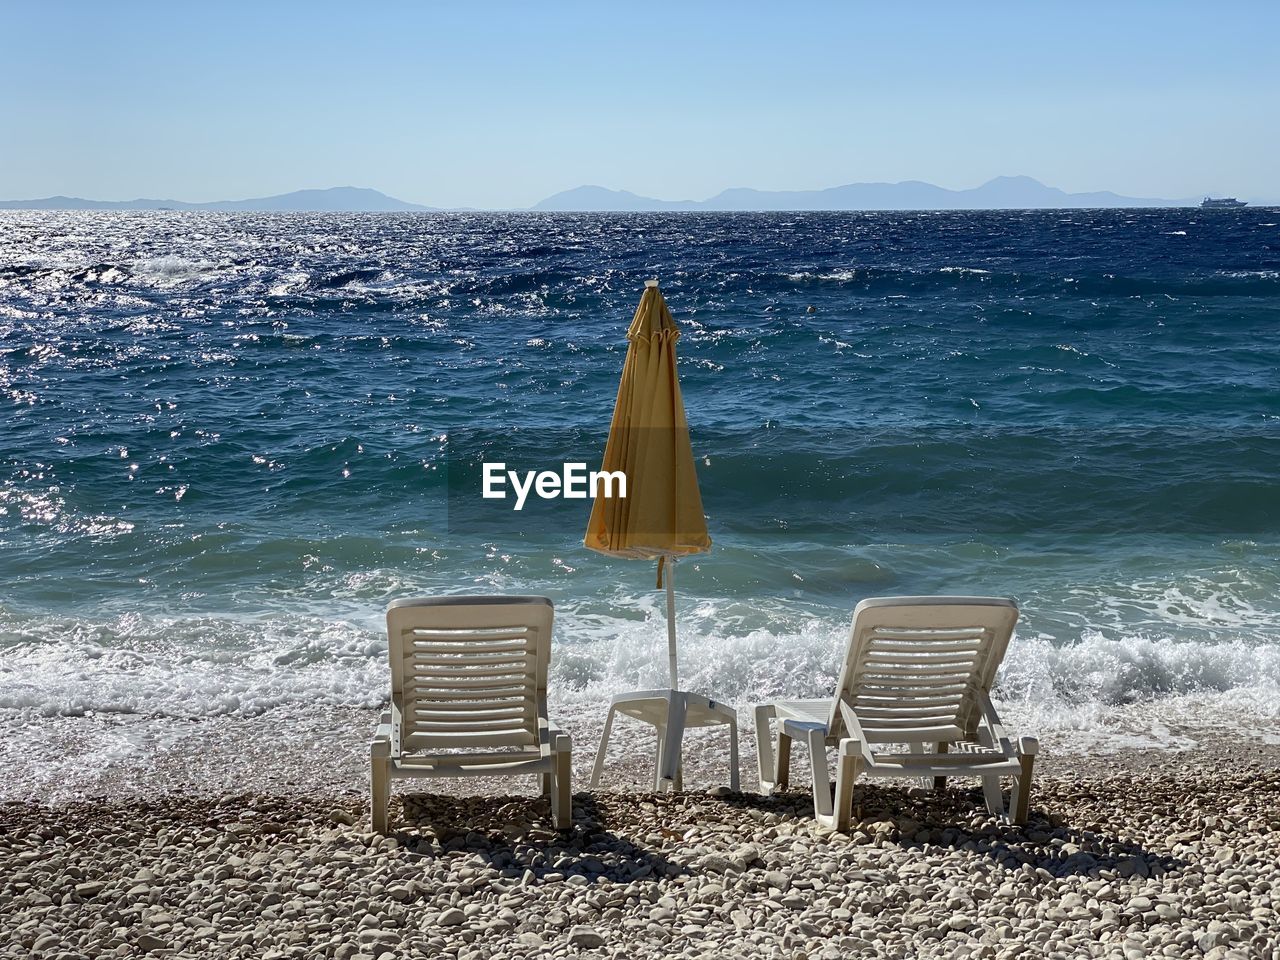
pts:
pixel 469 697
pixel 918 672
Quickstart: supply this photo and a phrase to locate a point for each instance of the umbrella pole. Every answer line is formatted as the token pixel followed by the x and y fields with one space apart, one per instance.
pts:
pixel 670 572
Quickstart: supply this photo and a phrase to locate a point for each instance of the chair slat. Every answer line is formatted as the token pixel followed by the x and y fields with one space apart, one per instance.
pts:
pixel 456 708
pixel 465 635
pixel 418 741
pixel 425 659
pixel 923 733
pixel 906 692
pixel 909 692
pixel 496 727
pixel 921 702
pixel 931 710
pixel 908 722
pixel 519 649
pixel 497 681
pixel 915 680
pixel 928 647
pixel 927 633
pixel 495 692
pixel 897 661
pixel 440 672
pixel 470 757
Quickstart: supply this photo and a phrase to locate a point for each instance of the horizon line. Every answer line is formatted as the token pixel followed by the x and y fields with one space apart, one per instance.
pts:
pixel 601 194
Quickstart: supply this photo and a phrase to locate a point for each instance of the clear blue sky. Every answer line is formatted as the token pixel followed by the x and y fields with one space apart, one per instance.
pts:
pixel 501 104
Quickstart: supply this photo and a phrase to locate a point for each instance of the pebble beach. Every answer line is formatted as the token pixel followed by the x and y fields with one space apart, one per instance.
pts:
pixel 656 377
pixel 1134 854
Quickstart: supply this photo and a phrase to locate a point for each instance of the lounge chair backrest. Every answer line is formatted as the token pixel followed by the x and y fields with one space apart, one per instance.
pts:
pixel 470 671
pixel 919 662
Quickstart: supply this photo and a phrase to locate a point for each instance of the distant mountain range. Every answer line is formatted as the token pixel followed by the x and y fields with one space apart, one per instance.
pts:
pixel 333 200
pixel 1002 193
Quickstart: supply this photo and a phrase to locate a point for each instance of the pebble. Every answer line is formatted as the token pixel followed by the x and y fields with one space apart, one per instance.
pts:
pixel 582 936
pixel 149 943
pixel 778 879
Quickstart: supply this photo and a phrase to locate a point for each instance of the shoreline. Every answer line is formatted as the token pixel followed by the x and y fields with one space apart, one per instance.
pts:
pixel 62 759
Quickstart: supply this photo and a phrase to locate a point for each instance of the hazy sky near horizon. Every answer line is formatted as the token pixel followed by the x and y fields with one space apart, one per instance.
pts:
pixel 501 104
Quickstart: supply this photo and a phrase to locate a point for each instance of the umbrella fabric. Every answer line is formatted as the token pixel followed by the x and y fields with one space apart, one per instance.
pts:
pixel 661 514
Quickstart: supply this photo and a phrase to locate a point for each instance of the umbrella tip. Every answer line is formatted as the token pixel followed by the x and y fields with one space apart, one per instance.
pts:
pixel 651 283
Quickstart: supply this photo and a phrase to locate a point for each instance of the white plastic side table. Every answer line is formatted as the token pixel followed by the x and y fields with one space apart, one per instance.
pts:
pixel 670 713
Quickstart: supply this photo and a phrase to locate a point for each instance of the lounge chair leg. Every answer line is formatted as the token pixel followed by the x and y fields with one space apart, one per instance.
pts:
pixel 598 768
pixel 379 784
pixel 992 794
pixel 940 783
pixel 764 748
pixel 545 784
pixel 918 748
pixel 734 783
pixel 822 798
pixel 847 762
pixel 1020 802
pixel 658 759
pixel 562 795
pixel 782 768
pixel 677 783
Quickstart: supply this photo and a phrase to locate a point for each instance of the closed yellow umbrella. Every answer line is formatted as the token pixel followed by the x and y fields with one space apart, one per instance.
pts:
pixel 660 517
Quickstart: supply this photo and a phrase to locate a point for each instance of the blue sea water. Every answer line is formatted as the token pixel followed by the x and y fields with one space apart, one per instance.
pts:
pixel 223 443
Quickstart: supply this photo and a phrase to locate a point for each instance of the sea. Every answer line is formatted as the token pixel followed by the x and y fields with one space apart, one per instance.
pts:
pixel 226 443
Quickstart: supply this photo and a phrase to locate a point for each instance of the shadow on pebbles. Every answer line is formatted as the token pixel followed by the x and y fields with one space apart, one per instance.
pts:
pixel 1161 864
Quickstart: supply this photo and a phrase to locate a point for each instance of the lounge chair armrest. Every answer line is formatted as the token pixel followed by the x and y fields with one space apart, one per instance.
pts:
pixel 991 720
pixel 1028 746
pixel 856 747
pixel 561 742
pixel 386 739
pixel 850 717
pixel 799 729
pixel 381 744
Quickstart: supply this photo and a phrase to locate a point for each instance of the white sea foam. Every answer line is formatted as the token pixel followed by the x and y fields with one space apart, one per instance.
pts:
pixel 187 668
pixel 1093 692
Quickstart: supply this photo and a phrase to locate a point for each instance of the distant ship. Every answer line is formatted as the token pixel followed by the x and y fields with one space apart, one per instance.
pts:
pixel 1223 203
